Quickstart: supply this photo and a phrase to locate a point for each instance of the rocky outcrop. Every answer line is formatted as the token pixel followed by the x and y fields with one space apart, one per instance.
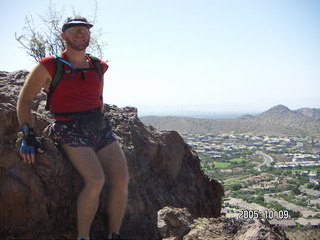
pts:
pixel 39 201
pixel 178 224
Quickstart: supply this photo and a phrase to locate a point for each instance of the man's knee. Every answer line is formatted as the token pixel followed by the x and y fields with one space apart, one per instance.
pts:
pixel 95 183
pixel 121 182
pixel 125 181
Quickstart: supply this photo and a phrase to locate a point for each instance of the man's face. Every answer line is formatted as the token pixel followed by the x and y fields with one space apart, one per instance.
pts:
pixel 77 37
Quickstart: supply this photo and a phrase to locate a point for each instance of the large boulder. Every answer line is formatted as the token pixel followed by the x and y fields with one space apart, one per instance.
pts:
pixel 38 201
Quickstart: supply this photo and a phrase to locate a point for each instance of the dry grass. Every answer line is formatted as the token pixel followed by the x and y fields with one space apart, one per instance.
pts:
pixel 303 234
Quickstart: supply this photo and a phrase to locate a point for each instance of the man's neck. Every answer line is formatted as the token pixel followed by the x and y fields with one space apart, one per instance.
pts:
pixel 76 57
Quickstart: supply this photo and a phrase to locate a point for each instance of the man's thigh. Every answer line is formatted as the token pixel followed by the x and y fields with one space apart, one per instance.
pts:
pixel 113 162
pixel 85 160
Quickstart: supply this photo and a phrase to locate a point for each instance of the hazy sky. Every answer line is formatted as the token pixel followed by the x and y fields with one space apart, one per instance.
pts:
pixel 238 55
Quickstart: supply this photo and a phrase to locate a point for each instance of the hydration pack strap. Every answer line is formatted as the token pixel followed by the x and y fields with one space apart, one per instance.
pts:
pixel 68 114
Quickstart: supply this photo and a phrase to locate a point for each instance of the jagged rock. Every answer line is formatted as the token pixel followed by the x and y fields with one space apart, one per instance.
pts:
pixel 174 222
pixel 258 230
pixel 178 224
pixel 39 201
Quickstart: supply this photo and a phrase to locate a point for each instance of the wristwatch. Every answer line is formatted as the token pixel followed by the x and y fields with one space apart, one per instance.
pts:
pixel 25 130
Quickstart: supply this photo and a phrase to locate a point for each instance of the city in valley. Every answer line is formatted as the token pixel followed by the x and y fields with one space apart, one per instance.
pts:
pixel 267 177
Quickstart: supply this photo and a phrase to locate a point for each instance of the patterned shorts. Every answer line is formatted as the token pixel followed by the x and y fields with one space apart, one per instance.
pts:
pixel 68 134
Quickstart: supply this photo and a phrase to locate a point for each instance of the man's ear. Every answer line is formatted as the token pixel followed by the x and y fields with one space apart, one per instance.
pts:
pixel 62 36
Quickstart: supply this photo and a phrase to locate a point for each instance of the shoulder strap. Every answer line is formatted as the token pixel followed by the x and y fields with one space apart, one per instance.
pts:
pixel 97 65
pixel 56 78
pixel 59 72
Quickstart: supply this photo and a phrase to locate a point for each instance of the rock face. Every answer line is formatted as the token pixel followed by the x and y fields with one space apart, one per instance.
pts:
pixel 39 201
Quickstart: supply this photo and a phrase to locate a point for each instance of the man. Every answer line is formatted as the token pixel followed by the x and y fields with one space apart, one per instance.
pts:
pixel 76 103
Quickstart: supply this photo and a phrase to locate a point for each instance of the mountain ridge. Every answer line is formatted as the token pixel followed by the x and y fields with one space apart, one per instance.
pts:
pixel 278 120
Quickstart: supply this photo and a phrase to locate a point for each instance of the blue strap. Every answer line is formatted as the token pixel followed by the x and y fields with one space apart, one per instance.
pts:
pixel 64 61
pixel 69 64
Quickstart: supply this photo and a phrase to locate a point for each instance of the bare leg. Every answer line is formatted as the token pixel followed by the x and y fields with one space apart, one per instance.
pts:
pixel 115 167
pixel 88 165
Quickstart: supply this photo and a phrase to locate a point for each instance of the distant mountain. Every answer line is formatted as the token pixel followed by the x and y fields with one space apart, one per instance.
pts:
pixel 278 120
pixel 276 110
pixel 310 112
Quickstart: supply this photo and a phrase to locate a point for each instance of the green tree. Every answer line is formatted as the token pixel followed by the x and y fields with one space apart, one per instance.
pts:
pixel 259 199
pixel 296 190
pixel 39 42
pixel 236 186
pixel 294 214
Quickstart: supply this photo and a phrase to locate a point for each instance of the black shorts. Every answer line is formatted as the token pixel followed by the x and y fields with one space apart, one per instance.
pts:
pixel 68 134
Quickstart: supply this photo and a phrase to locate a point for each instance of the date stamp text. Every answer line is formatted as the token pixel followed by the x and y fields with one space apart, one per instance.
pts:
pixel 267 214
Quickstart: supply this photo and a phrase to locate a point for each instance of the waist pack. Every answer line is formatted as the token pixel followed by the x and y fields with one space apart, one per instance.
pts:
pixel 91 123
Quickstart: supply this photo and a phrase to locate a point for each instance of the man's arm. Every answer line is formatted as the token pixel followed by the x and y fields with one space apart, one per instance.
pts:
pixel 38 78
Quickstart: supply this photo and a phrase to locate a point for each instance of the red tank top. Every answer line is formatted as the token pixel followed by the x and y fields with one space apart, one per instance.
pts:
pixel 80 93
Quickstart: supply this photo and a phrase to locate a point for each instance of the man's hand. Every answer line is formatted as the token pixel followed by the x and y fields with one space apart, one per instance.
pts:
pixel 29 147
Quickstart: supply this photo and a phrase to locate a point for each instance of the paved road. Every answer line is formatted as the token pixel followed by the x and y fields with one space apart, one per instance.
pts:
pixel 299 145
pixel 267 160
